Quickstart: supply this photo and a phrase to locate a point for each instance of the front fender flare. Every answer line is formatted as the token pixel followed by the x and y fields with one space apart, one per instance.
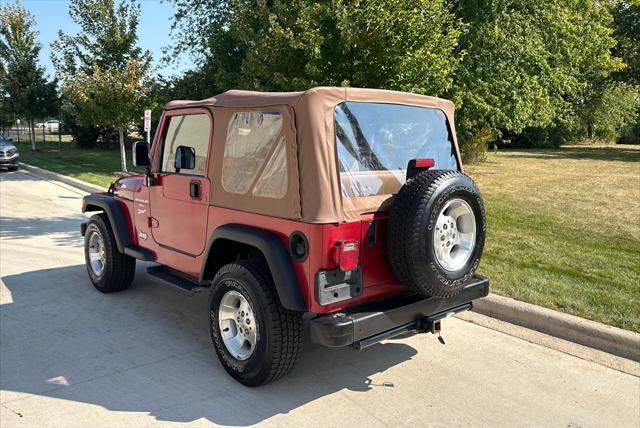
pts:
pixel 109 205
pixel 276 255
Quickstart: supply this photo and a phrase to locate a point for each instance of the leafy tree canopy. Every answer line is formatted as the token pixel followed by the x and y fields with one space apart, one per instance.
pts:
pixel 627 32
pixel 108 37
pixel 24 88
pixel 105 75
pixel 286 45
pixel 108 97
pixel 529 61
pixel 509 64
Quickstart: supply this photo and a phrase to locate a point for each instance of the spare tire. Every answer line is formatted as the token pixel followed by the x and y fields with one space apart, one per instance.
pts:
pixel 436 232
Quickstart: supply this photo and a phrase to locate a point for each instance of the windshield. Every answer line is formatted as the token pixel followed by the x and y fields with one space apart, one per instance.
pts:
pixel 376 141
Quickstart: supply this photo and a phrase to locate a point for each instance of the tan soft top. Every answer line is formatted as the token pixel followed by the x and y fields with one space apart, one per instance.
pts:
pixel 316 197
pixel 239 98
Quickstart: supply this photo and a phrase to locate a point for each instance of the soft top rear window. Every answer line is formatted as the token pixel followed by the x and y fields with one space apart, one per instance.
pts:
pixel 375 142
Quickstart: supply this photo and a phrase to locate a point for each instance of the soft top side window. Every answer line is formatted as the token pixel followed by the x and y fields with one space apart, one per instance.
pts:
pixel 255 155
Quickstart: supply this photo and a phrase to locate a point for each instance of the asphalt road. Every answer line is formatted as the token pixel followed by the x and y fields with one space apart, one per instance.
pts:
pixel 70 356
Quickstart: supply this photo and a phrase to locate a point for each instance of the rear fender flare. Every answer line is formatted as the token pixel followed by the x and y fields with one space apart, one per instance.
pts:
pixel 274 252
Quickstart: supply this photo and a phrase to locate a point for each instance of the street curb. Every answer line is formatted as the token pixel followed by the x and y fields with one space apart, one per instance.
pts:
pixel 79 184
pixel 612 340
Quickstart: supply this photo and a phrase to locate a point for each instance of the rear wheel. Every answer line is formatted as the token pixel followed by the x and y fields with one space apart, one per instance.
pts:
pixel 436 232
pixel 108 269
pixel 256 339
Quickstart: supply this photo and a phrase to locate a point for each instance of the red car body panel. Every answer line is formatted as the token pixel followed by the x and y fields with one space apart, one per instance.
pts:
pixel 200 219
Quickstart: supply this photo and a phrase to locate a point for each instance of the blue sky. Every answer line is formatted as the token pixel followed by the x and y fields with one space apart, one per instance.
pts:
pixel 153 30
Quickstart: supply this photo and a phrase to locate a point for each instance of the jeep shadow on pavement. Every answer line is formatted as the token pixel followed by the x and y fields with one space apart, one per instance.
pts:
pixel 348 204
pixel 145 352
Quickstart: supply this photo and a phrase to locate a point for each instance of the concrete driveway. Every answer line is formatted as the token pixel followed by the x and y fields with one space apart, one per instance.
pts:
pixel 70 356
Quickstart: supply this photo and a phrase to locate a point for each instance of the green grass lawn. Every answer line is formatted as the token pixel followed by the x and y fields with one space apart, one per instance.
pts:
pixel 563 225
pixel 564 229
pixel 96 166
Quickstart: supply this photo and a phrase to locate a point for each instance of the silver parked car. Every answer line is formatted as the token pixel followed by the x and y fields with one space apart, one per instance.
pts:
pixel 9 156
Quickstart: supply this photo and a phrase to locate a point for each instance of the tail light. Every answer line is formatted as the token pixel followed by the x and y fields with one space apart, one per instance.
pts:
pixel 416 166
pixel 346 255
pixel 425 163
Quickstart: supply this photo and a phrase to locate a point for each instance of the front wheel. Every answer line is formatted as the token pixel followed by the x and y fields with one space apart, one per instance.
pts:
pixel 108 269
pixel 256 339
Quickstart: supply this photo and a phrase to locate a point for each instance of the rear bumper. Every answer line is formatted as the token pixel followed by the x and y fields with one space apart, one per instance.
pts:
pixel 370 324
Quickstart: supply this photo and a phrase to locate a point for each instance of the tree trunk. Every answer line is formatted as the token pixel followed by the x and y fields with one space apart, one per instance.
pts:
pixel 590 131
pixel 123 154
pixel 18 130
pixel 32 135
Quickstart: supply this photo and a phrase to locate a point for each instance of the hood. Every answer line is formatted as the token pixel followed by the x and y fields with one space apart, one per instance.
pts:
pixel 126 186
pixel 5 145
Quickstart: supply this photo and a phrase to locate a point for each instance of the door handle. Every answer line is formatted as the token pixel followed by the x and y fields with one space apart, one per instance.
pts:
pixel 194 189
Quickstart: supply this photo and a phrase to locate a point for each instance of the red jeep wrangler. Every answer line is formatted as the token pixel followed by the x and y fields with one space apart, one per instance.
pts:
pixel 349 204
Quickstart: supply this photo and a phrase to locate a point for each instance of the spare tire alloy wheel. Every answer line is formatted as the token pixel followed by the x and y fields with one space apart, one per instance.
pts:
pixel 436 232
pixel 455 235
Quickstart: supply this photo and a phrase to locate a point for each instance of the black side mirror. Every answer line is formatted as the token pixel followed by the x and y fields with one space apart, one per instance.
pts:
pixel 141 154
pixel 185 158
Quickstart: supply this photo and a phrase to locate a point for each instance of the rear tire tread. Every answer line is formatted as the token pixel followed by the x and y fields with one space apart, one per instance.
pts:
pixel 286 331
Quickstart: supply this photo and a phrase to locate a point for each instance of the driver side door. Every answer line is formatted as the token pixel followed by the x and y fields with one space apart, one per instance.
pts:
pixel 179 199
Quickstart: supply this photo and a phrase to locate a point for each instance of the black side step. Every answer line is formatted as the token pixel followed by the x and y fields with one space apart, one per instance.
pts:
pixel 179 282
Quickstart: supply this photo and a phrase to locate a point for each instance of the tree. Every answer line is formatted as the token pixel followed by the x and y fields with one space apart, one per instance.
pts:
pixel 286 45
pixel 6 114
pixel 108 97
pixel 626 16
pixel 510 65
pixel 105 76
pixel 615 106
pixel 23 85
pixel 529 63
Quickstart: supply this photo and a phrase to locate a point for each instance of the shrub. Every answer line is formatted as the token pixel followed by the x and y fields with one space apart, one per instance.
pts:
pixel 474 148
pixel 630 134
